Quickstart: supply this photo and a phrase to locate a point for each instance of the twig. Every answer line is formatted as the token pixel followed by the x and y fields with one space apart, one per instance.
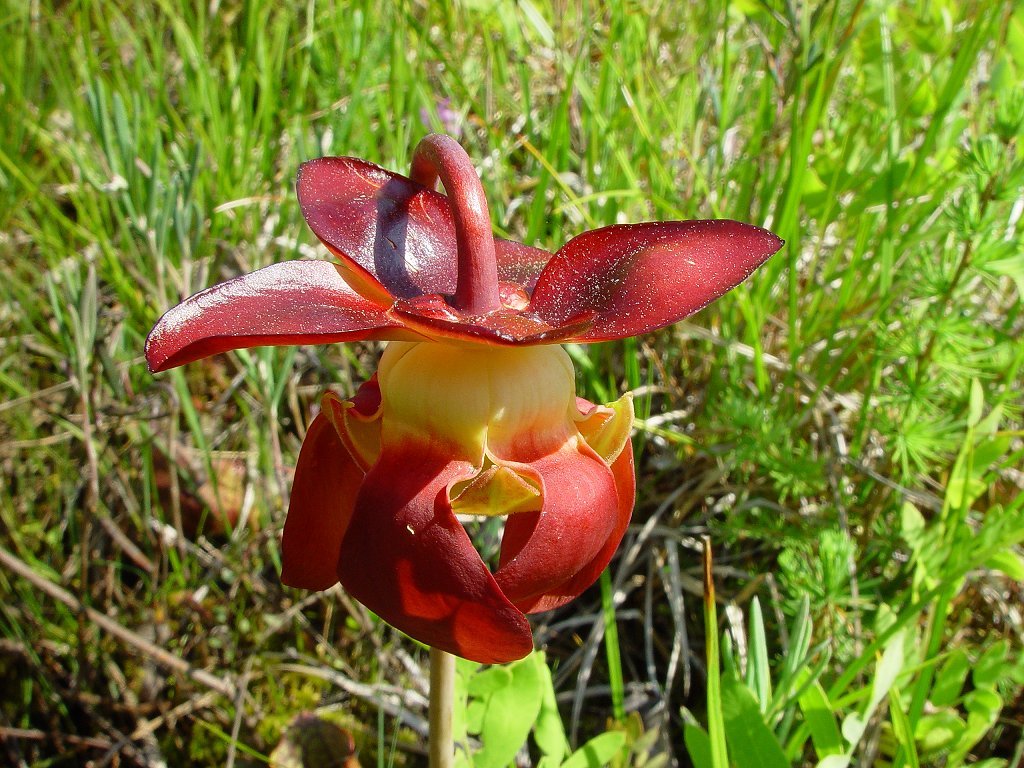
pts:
pixel 171 716
pixel 104 622
pixel 34 734
pixel 42 394
pixel 677 607
pixel 126 545
pixel 236 726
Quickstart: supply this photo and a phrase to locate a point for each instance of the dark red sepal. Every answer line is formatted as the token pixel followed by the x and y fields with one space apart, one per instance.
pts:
pixel 635 278
pixel 294 302
pixel 397 235
pixel 434 317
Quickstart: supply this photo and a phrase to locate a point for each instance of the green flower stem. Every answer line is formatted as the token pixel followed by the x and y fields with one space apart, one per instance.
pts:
pixel 441 157
pixel 442 699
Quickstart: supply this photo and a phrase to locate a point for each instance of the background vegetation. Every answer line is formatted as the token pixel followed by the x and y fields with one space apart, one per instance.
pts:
pixel 846 427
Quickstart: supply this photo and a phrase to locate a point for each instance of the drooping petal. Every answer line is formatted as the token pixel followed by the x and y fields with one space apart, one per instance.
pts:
pixel 395 237
pixel 294 302
pixel 322 500
pixel 606 429
pixel 570 589
pixel 542 550
pixel 407 558
pixel 635 278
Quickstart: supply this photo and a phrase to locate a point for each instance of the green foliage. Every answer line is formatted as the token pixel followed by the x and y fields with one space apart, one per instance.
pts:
pixel 965 694
pixel 499 707
pixel 503 704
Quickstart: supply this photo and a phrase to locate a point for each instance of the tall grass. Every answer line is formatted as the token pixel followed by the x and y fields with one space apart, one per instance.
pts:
pixel 846 426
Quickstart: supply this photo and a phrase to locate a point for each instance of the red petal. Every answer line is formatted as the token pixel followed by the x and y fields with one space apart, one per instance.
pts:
pixel 366 400
pixel 433 316
pixel 639 277
pixel 542 550
pixel 408 559
pixel 520 264
pixel 625 491
pixel 323 497
pixel 397 236
pixel 294 302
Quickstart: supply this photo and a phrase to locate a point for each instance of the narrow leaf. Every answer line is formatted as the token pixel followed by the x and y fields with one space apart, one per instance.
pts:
pixel 716 723
pixel 820 718
pixel 758 672
pixel 902 729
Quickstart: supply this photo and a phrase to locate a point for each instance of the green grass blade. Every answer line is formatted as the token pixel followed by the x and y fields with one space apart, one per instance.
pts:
pixel 716 718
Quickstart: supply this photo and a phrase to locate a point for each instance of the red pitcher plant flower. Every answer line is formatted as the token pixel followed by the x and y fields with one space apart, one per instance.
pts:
pixel 473 408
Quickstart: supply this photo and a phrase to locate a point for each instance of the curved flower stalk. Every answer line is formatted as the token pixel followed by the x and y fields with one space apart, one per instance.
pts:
pixel 473 408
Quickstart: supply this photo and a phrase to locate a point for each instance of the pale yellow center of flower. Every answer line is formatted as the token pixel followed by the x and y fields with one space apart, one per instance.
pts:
pixel 480 402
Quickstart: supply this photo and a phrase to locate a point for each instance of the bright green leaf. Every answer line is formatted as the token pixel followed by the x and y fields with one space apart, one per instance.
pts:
pixel 983 706
pixel 548 731
pixel 698 745
pixel 510 701
pixel 912 525
pixel 902 729
pixel 1009 562
pixel 938 731
pixel 490 680
pixel 821 720
pixel 758 672
pixel 752 743
pixel 597 752
pixel 975 403
pixel 949 681
pixel 990 667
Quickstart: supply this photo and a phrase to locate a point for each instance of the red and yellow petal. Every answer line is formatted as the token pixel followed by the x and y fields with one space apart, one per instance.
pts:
pixel 542 550
pixel 407 558
pixel 294 302
pixel 497 491
pixel 606 428
pixel 634 278
pixel 605 434
pixel 357 422
pixel 466 398
pixel 625 494
pixel 322 501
